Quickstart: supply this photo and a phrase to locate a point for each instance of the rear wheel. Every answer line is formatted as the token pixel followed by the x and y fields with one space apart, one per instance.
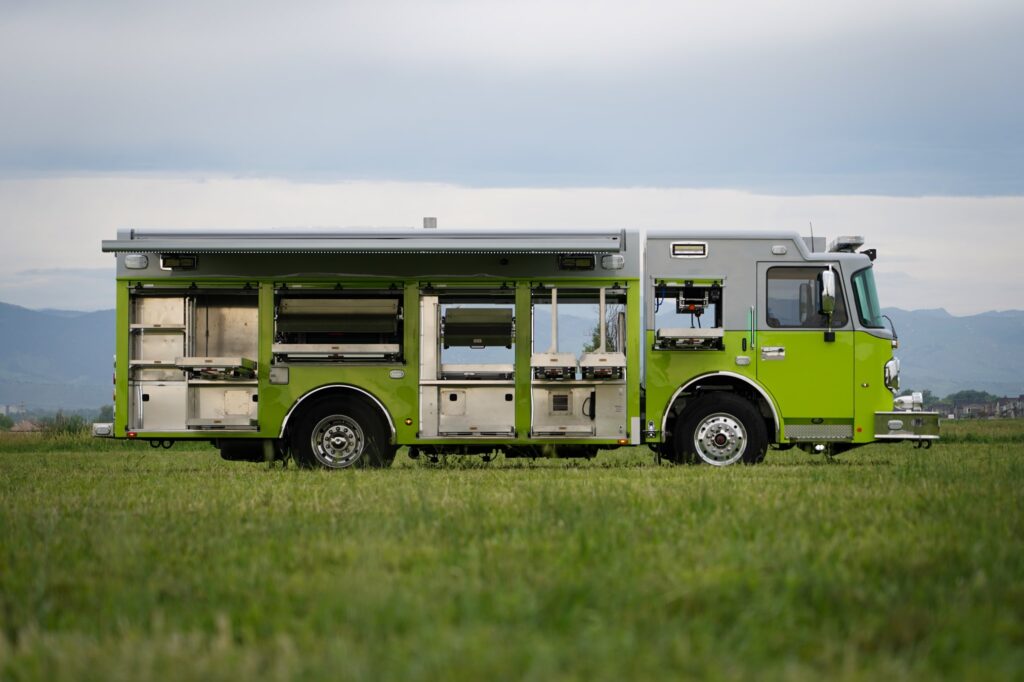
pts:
pixel 720 429
pixel 337 434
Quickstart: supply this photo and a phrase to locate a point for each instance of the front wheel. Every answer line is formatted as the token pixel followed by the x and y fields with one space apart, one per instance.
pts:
pixel 720 429
pixel 337 434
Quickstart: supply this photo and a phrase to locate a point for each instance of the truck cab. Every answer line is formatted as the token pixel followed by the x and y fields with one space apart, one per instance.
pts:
pixel 756 340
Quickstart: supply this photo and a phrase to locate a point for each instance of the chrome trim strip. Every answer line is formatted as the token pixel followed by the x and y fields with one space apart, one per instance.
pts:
pixel 907 436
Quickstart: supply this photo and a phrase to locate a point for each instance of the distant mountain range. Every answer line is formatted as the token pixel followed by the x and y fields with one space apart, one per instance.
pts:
pixel 944 353
pixel 53 359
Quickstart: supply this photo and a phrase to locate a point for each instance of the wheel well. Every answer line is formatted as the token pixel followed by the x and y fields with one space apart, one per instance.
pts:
pixel 716 382
pixel 327 393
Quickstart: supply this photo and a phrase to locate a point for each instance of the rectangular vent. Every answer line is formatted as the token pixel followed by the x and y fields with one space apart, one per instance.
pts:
pixel 560 402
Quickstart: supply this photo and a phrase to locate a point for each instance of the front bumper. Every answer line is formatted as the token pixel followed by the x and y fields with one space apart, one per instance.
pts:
pixel 895 426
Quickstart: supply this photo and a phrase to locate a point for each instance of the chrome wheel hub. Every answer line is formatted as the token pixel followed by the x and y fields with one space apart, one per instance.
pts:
pixel 720 439
pixel 337 441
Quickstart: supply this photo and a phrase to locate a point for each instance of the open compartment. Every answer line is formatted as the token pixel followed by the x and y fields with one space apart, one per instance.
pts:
pixel 182 342
pixel 477 327
pixel 471 410
pixel 222 404
pixel 467 371
pixel 157 326
pixel 326 327
pixel 157 405
pixel 688 315
pixel 580 393
pixel 226 331
pixel 476 342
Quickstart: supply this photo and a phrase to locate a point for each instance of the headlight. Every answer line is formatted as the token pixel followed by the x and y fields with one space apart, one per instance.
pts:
pixel 892 375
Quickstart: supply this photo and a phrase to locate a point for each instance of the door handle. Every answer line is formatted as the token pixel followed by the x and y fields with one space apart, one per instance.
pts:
pixel 773 352
pixel 139 424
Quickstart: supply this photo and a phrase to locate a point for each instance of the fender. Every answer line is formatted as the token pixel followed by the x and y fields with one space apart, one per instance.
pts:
pixel 387 415
pixel 731 375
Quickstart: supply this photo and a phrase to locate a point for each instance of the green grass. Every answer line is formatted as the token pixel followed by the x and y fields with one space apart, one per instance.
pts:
pixel 983 431
pixel 888 563
pixel 82 442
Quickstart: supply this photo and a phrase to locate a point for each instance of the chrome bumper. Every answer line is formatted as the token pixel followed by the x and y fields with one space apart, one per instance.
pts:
pixel 906 425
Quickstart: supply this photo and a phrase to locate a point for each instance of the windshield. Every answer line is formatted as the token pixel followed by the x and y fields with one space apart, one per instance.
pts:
pixel 866 295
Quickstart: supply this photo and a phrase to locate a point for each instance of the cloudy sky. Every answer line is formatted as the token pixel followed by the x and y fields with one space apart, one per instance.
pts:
pixel 900 121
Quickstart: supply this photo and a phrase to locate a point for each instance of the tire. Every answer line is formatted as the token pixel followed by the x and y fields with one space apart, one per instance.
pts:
pixel 338 434
pixel 720 429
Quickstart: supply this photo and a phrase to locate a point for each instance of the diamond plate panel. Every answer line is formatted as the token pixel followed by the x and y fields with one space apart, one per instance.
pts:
pixel 819 431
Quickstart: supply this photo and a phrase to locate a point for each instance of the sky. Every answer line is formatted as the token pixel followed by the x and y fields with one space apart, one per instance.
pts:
pixel 903 122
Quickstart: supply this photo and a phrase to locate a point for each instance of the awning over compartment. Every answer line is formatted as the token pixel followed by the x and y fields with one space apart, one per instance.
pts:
pixel 365 241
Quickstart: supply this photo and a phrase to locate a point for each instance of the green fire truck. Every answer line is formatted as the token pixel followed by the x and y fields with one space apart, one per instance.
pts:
pixel 337 347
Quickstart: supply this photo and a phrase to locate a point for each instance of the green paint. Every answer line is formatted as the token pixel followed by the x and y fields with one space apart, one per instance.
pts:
pixel 669 370
pixel 633 352
pixel 122 344
pixel 818 382
pixel 524 345
pixel 814 379
pixel 871 395
pixel 399 396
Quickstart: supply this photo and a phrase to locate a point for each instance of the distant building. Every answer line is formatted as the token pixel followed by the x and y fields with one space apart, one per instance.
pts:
pixel 1010 408
pixel 26 426
pixel 11 410
pixel 974 410
pixel 1000 408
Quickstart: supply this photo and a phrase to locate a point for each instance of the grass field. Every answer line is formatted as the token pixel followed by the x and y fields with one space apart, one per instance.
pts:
pixel 888 563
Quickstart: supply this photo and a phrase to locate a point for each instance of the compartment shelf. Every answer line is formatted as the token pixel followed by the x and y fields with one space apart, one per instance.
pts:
pixel 153 363
pixel 223 382
pixel 308 351
pixel 157 327
pixel 215 363
pixel 221 423
pixel 577 430
pixel 709 338
pixel 477 372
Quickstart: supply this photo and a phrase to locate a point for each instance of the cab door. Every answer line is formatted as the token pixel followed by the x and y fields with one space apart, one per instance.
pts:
pixel 807 370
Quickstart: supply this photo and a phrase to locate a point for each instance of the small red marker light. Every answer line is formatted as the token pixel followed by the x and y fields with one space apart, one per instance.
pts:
pixel 132 434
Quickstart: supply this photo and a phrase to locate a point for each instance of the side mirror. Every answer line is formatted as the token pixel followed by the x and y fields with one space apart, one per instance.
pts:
pixel 828 292
pixel 827 298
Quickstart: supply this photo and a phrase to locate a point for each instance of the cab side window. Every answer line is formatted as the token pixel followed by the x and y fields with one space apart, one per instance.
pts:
pixel 794 299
